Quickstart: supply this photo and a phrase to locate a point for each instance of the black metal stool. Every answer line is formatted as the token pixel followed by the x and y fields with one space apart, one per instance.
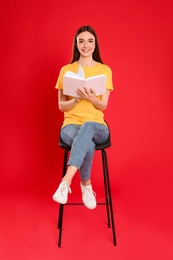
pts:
pixel 108 196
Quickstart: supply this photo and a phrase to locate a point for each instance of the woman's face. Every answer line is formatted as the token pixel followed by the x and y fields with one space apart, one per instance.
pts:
pixel 85 44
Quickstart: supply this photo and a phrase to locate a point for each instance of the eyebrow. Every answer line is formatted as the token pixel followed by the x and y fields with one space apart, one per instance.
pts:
pixel 88 39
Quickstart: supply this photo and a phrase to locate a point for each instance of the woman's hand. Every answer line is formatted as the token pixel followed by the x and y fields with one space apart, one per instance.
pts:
pixel 88 94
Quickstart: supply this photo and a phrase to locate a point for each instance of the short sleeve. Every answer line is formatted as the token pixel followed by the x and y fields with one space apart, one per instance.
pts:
pixel 59 84
pixel 109 84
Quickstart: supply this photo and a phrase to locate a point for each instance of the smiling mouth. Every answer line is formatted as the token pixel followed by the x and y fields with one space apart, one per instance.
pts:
pixel 85 50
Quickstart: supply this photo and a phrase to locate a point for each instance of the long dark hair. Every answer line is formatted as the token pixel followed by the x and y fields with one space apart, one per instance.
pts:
pixel 75 52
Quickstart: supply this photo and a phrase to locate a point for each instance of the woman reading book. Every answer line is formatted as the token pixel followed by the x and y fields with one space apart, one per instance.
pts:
pixel 83 126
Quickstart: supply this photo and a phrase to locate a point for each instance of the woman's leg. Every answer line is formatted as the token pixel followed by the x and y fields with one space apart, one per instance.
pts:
pixel 68 134
pixel 97 134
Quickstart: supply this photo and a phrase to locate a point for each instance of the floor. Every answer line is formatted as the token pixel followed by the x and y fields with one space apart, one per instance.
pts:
pixel 28 224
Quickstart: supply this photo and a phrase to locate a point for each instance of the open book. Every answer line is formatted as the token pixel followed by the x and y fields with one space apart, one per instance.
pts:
pixel 72 81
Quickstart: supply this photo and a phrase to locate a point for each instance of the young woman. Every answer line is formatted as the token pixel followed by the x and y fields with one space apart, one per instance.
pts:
pixel 84 124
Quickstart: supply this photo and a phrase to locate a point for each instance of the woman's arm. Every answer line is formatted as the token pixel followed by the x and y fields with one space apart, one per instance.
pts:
pixel 63 103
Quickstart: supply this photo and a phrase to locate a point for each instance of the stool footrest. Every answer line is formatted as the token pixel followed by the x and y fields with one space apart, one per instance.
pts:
pixel 81 203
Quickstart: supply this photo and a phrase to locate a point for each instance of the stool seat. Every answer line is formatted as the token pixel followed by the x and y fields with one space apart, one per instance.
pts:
pixel 98 146
pixel 107 188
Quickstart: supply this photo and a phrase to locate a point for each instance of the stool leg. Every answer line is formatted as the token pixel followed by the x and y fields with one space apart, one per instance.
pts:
pixel 61 206
pixel 108 190
pixel 60 221
pixel 105 186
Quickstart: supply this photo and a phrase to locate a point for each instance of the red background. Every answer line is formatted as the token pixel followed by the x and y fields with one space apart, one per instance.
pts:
pixel 136 42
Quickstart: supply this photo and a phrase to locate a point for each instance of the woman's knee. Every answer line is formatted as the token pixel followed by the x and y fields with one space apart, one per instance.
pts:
pixel 68 133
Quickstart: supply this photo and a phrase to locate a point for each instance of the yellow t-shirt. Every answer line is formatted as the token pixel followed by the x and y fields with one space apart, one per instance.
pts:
pixel 84 110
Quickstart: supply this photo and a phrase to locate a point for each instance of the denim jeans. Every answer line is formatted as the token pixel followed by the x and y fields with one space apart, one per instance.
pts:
pixel 82 140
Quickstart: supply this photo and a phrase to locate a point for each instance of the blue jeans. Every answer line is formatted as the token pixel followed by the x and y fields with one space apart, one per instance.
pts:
pixel 82 140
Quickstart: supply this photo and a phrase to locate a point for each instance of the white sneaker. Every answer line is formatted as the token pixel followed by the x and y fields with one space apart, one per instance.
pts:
pixel 61 194
pixel 88 196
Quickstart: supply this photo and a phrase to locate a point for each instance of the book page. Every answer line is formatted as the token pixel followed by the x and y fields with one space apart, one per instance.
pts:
pixel 70 85
pixel 71 74
pixel 81 72
pixel 98 83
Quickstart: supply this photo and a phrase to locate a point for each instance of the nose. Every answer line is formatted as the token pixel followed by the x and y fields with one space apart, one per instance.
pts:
pixel 85 43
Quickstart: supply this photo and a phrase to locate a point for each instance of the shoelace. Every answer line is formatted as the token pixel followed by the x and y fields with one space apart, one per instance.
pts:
pixel 64 185
pixel 89 193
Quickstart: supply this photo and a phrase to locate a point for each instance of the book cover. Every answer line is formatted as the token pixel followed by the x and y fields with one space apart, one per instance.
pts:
pixel 72 81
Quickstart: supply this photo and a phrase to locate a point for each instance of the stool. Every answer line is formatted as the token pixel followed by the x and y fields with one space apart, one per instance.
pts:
pixel 107 188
